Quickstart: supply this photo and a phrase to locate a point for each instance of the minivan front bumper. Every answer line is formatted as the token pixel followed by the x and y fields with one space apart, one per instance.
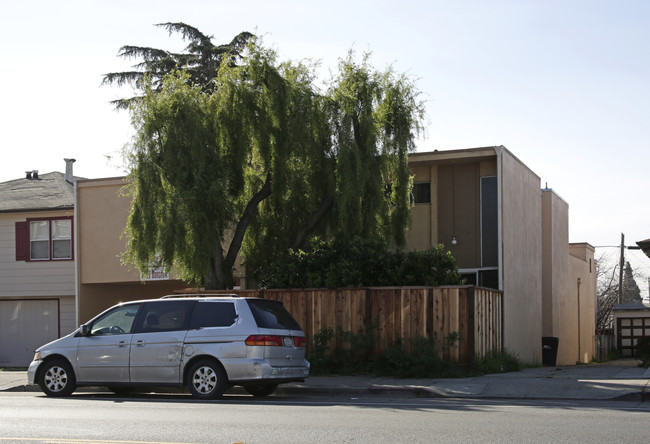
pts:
pixel 31 371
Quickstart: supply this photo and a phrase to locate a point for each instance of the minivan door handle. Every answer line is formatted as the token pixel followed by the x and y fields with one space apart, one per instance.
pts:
pixel 139 343
pixel 121 344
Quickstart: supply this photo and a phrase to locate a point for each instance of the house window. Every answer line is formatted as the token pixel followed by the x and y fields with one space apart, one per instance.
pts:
pixel 422 193
pixel 44 239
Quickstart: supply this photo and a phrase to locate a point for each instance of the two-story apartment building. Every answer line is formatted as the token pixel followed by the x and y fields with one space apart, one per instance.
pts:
pixel 506 233
pixel 37 268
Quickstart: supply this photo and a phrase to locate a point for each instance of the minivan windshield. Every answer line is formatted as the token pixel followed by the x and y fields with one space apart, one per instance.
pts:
pixel 272 314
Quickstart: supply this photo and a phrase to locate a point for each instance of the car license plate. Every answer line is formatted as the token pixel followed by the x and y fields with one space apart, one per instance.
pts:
pixel 287 341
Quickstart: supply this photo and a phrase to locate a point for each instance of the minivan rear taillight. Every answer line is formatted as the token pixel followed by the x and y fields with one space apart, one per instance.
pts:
pixel 276 341
pixel 266 340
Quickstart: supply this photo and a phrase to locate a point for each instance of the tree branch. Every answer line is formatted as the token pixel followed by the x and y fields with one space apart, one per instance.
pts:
pixel 313 221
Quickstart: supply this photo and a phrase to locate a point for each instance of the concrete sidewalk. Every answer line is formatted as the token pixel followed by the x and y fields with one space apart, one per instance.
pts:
pixel 617 380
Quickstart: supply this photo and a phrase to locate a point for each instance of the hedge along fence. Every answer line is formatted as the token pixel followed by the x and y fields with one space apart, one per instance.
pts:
pixel 406 313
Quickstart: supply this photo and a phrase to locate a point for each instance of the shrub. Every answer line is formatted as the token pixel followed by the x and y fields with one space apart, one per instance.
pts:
pixel 358 263
pixel 349 353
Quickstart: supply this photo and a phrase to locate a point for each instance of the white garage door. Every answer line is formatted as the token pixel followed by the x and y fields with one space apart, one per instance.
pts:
pixel 25 325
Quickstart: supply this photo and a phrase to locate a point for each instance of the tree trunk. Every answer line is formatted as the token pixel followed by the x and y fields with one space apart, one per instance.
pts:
pixel 220 274
pixel 313 221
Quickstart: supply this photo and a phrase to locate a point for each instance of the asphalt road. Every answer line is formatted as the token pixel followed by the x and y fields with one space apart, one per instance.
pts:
pixel 103 418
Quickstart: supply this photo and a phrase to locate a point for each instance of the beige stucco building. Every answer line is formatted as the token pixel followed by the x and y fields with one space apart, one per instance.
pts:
pixel 489 210
pixel 102 280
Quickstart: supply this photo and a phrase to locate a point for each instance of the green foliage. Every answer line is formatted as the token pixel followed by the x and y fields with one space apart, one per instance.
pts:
pixel 496 361
pixel 358 263
pixel 347 353
pixel 236 151
pixel 422 360
pixel 350 354
pixel 200 60
pixel 642 351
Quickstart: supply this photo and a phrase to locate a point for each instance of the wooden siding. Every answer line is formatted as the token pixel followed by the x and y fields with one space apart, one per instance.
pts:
pixel 474 313
pixel 35 278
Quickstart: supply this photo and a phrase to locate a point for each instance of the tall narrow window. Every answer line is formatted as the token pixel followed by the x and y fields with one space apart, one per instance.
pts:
pixel 489 222
pixel 62 239
pixel 39 240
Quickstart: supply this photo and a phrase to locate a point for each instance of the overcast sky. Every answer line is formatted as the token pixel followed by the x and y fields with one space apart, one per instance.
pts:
pixel 564 85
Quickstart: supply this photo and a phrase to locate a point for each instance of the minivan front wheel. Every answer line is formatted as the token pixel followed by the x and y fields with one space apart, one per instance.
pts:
pixel 207 379
pixel 57 378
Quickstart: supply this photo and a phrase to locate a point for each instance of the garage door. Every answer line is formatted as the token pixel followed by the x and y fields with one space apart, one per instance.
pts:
pixel 630 330
pixel 25 325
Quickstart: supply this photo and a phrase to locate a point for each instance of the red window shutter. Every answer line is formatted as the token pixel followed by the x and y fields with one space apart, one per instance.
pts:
pixel 22 243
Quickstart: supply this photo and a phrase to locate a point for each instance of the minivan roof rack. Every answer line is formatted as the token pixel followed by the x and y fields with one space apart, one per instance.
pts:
pixel 201 295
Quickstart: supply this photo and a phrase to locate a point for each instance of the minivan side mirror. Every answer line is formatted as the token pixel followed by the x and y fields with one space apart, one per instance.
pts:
pixel 84 330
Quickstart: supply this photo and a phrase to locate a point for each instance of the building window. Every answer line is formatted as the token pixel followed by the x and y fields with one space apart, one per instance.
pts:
pixel 422 193
pixel 44 239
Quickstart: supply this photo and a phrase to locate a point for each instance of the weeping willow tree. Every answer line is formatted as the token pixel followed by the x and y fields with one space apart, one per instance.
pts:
pixel 357 183
pixel 263 160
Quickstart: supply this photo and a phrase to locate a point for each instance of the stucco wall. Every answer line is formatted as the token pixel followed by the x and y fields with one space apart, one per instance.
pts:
pixel 522 258
pixel 423 230
pixel 568 285
pixel 582 282
pixel 102 213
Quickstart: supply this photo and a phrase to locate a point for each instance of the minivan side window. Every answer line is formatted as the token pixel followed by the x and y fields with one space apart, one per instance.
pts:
pixel 213 314
pixel 272 314
pixel 116 322
pixel 164 316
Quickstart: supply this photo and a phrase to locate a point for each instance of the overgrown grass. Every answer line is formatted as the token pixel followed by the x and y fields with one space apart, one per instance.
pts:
pixel 346 353
pixel 496 361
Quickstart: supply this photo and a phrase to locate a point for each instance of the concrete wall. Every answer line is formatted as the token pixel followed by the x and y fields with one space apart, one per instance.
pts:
pixel 521 258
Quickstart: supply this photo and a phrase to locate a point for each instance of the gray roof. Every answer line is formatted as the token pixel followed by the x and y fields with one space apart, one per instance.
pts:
pixel 49 192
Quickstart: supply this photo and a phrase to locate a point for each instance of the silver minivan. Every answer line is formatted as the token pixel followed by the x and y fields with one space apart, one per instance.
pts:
pixel 205 343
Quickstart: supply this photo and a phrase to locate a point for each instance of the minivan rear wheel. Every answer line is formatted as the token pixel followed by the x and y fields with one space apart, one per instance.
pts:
pixel 57 378
pixel 207 379
pixel 259 390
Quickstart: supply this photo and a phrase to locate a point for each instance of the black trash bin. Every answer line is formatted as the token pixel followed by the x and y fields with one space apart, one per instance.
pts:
pixel 549 350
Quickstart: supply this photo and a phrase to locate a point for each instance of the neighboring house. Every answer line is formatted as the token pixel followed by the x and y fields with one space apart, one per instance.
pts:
pixel 506 233
pixel 37 271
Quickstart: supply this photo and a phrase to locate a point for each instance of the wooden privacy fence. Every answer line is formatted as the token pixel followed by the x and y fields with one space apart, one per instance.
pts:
pixel 475 313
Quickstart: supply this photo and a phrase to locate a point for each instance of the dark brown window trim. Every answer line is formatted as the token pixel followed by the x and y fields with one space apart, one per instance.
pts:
pixel 48 219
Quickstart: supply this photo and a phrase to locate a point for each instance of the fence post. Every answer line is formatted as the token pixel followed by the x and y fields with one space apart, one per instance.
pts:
pixel 471 330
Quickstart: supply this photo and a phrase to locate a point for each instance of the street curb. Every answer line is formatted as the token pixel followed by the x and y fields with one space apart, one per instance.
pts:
pixel 375 390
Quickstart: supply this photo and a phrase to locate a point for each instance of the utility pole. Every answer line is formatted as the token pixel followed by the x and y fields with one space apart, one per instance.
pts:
pixel 620 270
